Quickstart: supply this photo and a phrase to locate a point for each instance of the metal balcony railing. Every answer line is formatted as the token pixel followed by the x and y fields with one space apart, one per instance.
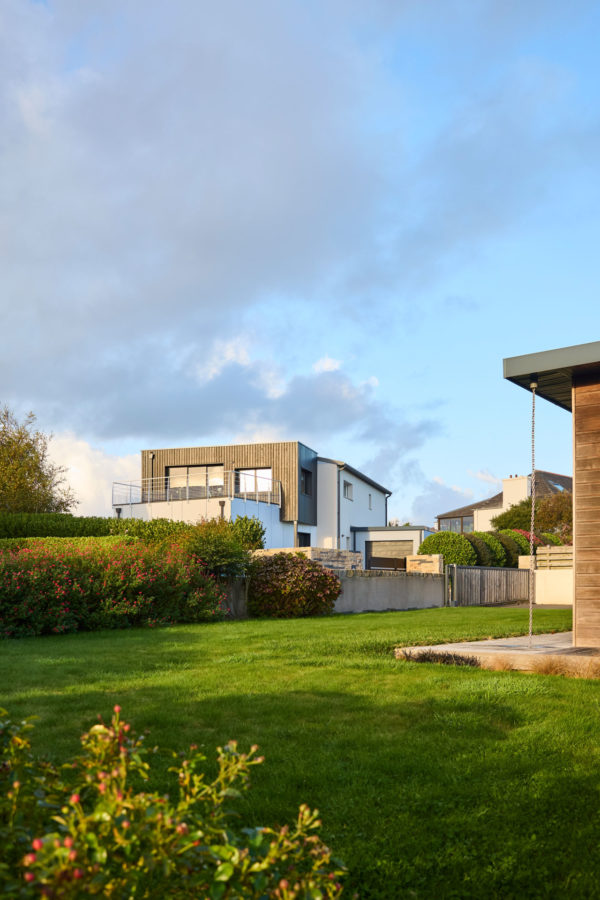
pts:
pixel 160 490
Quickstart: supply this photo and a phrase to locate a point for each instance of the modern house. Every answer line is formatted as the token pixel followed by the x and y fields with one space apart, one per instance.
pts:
pixel 301 498
pixel 478 516
pixel 569 377
pixel 376 542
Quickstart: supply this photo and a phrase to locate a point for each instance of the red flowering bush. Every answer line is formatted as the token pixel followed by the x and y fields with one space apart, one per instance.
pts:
pixel 87 832
pixel 289 585
pixel 61 586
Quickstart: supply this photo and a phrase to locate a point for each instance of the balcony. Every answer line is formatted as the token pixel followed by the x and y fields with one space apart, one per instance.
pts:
pixel 233 485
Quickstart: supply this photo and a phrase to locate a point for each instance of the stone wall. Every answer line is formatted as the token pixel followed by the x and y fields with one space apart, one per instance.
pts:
pixel 338 560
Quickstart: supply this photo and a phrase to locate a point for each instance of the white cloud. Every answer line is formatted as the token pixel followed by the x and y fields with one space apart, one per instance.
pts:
pixel 327 364
pixel 223 353
pixel 485 476
pixel 91 472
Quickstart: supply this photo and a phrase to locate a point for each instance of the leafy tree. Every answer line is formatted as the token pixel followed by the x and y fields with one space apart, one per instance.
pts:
pixel 554 514
pixel 29 481
pixel 518 516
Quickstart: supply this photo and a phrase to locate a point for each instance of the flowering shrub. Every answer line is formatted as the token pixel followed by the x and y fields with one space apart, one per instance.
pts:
pixel 62 586
pixel 288 585
pixel 88 833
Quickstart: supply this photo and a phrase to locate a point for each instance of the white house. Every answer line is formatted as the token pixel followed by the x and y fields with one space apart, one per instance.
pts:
pixel 302 499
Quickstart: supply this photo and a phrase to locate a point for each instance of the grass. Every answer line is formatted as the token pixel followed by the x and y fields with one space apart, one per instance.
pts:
pixel 432 781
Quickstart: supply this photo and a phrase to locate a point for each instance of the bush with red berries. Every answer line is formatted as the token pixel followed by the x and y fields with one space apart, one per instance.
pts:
pixel 59 586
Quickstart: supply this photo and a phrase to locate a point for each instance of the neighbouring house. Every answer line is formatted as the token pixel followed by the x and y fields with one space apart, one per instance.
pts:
pixel 301 498
pixel 478 516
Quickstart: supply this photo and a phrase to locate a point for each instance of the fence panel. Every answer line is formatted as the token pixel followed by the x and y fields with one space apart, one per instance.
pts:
pixel 487 586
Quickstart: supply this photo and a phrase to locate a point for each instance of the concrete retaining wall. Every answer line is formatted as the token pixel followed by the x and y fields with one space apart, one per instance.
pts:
pixel 376 591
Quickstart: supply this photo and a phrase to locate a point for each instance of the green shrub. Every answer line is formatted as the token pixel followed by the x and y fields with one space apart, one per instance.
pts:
pixel 496 549
pixel 511 548
pixel 484 554
pixel 288 585
pixel 15 525
pixel 550 538
pixel 217 544
pixel 89 831
pixel 84 586
pixel 455 548
pixel 519 538
pixel 250 531
pixel 150 532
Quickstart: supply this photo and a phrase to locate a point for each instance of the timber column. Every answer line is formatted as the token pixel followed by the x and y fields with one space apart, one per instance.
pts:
pixel 586 509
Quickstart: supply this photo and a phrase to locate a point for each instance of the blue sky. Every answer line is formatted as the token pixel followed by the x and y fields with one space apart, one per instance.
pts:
pixel 318 221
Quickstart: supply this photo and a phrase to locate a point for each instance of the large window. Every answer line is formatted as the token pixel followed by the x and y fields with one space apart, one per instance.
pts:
pixel 457 524
pixel 193 482
pixel 254 481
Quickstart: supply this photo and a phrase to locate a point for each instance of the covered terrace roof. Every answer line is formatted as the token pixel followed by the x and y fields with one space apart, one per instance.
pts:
pixel 553 370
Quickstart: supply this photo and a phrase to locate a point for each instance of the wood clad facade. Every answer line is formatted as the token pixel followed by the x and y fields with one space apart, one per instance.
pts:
pixel 586 509
pixel 283 458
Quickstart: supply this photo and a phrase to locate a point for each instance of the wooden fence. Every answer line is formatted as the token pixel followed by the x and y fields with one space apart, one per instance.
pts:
pixel 486 586
pixel 554 558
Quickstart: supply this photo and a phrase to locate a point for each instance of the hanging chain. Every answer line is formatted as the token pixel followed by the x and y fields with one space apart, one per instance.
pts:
pixel 532 523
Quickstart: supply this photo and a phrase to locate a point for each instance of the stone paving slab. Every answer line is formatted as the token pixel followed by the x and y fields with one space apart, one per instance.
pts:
pixel 515 650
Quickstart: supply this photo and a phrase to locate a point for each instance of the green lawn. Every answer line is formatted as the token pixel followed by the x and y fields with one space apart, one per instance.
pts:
pixel 432 781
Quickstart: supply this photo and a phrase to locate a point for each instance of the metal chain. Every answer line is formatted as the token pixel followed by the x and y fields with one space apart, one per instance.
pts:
pixel 532 524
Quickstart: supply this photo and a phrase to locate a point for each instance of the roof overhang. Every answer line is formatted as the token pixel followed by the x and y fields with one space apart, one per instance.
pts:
pixel 553 370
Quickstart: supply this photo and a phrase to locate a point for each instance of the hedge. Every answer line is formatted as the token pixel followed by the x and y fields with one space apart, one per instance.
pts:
pixel 484 554
pixel 17 525
pixel 552 539
pixel 511 548
pixel 519 538
pixel 45 589
pixel 455 548
pixel 496 549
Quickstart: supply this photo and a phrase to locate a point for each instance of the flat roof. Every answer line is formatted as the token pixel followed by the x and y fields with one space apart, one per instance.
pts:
pixel 553 370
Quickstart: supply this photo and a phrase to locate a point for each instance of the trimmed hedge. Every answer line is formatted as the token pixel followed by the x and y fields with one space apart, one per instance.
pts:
pixel 17 525
pixel 85 586
pixel 552 539
pixel 511 548
pixel 496 549
pixel 519 538
pixel 455 548
pixel 484 554
pixel 288 585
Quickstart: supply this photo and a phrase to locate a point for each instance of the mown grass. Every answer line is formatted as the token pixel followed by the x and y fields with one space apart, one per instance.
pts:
pixel 432 781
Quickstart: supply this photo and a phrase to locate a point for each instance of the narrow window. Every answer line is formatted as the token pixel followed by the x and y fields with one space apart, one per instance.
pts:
pixel 348 490
pixel 306 482
pixel 370 501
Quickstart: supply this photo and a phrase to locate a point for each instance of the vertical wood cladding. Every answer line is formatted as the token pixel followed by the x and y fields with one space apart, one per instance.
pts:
pixel 281 458
pixel 586 510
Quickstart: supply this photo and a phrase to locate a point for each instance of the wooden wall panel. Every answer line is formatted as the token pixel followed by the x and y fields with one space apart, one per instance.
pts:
pixel 586 509
pixel 281 458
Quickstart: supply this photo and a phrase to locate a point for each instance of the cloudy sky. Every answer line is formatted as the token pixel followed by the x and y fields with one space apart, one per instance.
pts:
pixel 325 221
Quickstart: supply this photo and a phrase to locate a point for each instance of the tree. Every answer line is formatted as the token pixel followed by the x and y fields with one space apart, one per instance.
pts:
pixel 29 481
pixel 517 516
pixel 555 515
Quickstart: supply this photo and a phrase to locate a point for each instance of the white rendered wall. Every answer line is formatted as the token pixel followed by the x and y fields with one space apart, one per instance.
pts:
pixel 277 533
pixel 482 518
pixel 356 511
pixel 326 535
pixel 191 511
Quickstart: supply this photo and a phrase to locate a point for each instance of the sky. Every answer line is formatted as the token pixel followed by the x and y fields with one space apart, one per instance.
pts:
pixel 318 221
